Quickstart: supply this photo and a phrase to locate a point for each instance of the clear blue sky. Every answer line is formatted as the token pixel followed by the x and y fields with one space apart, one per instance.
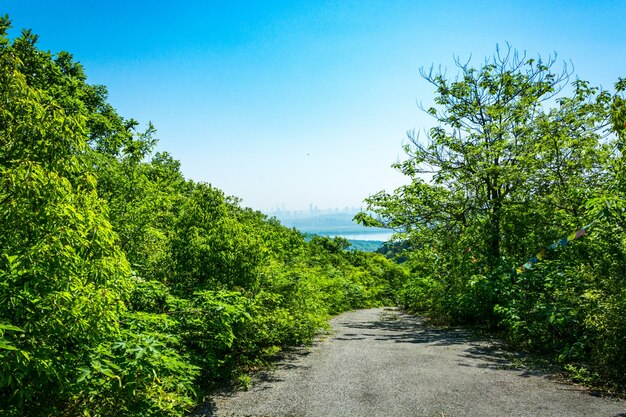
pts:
pixel 299 102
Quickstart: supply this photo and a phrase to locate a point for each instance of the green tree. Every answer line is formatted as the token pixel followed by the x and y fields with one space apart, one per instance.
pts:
pixel 211 248
pixel 63 278
pixel 492 136
pixel 495 146
pixel 517 159
pixel 68 344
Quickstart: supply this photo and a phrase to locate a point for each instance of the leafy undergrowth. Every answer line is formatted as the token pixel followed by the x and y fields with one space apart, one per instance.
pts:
pixel 547 364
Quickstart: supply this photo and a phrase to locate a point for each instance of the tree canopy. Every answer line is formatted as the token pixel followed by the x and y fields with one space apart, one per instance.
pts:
pixel 518 158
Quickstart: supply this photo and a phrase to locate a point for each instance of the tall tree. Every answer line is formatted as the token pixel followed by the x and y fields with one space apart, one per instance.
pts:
pixel 511 161
pixel 502 134
pixel 63 278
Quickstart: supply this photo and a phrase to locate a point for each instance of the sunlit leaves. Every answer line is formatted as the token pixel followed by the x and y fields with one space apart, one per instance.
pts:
pixel 62 277
pixel 518 159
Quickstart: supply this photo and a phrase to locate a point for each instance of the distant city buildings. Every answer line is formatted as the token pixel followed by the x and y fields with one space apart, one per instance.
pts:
pixel 330 222
pixel 282 212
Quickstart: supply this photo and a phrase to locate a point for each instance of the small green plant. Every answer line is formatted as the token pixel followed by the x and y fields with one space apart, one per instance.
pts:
pixel 244 381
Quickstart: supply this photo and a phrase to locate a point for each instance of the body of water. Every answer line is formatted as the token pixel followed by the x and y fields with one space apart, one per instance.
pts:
pixel 379 236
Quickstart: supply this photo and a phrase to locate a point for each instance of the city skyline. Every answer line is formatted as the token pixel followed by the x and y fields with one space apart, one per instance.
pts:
pixel 313 208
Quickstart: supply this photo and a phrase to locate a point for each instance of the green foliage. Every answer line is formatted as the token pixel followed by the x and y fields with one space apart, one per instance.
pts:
pixel 140 373
pixel 63 279
pixel 515 165
pixel 211 248
pixel 365 245
pixel 127 290
pixel 209 324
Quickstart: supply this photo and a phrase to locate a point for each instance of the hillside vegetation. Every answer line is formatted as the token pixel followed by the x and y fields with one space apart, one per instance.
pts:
pixel 126 289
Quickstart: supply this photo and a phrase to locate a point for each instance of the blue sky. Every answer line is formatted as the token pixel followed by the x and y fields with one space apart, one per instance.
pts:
pixel 299 102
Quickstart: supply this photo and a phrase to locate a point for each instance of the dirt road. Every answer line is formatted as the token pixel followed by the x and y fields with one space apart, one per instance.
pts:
pixel 382 362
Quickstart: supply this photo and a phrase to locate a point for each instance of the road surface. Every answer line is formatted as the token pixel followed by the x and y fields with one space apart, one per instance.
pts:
pixel 381 362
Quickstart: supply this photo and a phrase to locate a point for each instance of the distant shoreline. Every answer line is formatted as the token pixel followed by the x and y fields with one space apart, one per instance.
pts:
pixel 374 236
pixel 336 225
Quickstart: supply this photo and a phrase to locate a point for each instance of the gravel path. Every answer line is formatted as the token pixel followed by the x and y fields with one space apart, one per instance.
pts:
pixel 381 362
